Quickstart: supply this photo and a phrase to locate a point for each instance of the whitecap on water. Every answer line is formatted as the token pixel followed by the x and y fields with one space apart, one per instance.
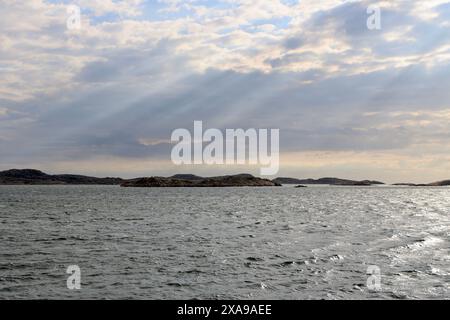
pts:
pixel 336 257
pixel 426 242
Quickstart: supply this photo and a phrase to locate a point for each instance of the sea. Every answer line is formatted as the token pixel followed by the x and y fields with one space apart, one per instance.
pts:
pixel 320 242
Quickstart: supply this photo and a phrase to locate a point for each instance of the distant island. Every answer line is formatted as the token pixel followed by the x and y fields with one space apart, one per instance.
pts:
pixel 36 177
pixel 345 182
pixel 443 183
pixel 32 176
pixel 410 185
pixel 329 181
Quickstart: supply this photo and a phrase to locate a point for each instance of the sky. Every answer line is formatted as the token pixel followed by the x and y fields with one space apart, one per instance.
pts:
pixel 350 102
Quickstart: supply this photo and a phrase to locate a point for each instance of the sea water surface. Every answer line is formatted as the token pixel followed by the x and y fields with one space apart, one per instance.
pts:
pixel 224 243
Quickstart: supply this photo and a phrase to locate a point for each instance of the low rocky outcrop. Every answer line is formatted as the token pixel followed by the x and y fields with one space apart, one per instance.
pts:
pixel 328 181
pixel 284 180
pixel 443 183
pixel 241 180
pixel 410 185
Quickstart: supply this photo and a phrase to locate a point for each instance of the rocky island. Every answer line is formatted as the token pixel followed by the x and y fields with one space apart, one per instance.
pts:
pixel 410 185
pixel 443 183
pixel 328 181
pixel 240 180
pixel 36 177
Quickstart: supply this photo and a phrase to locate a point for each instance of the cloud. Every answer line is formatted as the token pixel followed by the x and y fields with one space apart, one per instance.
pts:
pixel 135 71
pixel 3 111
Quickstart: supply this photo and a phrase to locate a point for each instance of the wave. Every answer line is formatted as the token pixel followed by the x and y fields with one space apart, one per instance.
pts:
pixel 429 241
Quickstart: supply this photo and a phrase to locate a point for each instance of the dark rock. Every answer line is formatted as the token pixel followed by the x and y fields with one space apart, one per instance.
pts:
pixel 255 259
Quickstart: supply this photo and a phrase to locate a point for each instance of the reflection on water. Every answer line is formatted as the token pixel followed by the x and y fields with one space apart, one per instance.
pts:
pixel 237 243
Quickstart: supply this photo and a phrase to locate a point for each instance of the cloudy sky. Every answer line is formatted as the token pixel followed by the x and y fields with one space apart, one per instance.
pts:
pixel 349 102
